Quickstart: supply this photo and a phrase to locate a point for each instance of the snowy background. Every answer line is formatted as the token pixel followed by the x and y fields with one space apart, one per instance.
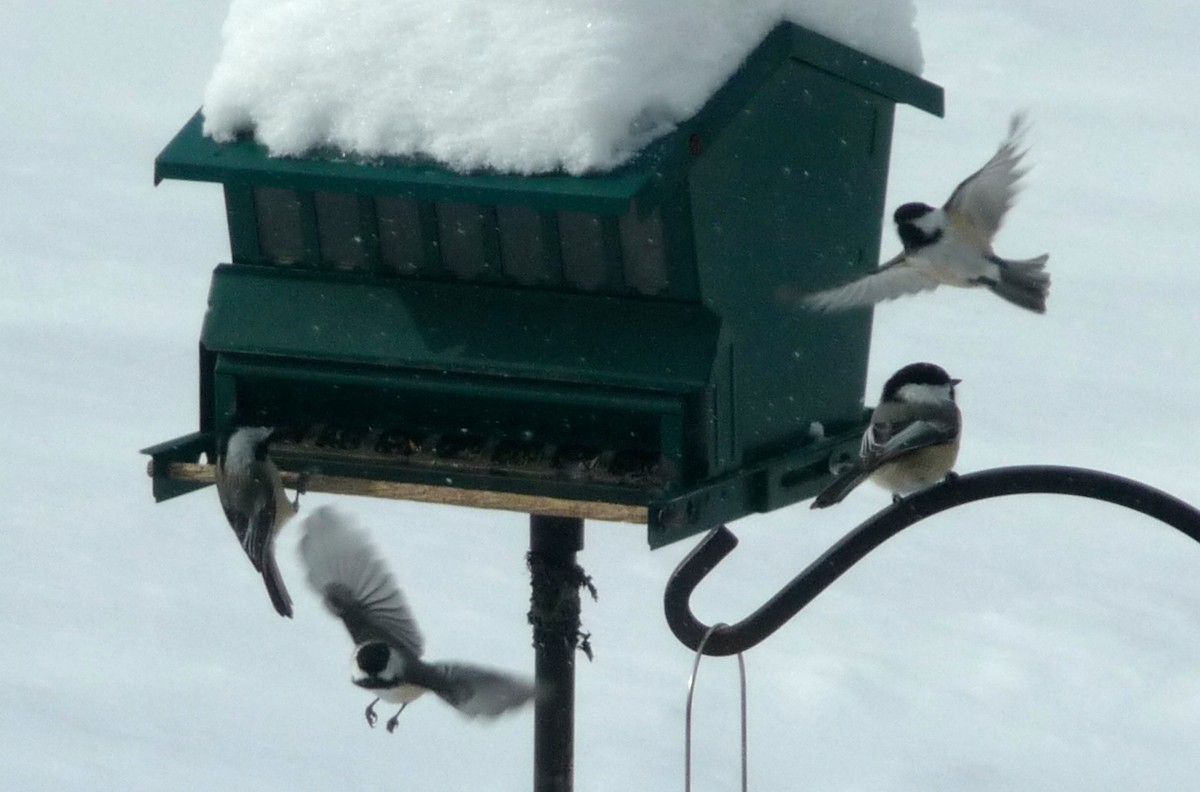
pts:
pixel 1037 644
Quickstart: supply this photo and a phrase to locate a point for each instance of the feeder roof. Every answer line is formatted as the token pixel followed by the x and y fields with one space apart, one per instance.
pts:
pixel 195 155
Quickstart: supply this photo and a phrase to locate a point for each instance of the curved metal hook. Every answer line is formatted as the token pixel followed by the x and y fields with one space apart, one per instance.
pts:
pixel 1049 479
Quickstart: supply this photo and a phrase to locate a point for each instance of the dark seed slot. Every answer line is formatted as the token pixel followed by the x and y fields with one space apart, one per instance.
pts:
pixel 341 438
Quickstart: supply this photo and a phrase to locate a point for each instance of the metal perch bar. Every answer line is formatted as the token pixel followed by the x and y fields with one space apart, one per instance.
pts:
pixel 1046 479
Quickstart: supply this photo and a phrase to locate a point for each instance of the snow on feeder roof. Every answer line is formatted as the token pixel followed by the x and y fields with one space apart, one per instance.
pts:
pixel 513 86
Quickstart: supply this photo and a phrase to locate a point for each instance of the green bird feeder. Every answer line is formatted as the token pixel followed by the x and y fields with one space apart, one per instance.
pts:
pixel 609 346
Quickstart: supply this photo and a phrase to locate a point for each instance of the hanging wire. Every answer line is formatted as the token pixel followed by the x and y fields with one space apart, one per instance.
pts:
pixel 687 733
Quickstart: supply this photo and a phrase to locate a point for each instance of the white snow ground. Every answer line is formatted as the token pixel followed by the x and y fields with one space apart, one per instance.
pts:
pixel 1038 644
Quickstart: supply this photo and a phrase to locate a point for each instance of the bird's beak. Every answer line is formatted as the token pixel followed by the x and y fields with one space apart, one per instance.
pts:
pixel 954 382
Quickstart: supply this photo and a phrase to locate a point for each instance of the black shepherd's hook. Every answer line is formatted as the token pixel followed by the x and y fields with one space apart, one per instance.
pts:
pixel 731 639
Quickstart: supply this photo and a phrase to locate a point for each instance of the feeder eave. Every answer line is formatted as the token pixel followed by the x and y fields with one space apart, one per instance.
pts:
pixel 193 156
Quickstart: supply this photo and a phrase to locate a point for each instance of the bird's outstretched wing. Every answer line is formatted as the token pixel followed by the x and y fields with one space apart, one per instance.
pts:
pixel 345 569
pixel 893 279
pixel 477 691
pixel 978 204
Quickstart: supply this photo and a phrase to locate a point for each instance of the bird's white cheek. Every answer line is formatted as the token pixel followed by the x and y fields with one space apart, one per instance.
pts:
pixel 932 222
pixel 925 394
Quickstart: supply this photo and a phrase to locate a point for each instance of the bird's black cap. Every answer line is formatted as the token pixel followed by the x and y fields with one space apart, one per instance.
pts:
pixel 372 658
pixel 911 211
pixel 917 374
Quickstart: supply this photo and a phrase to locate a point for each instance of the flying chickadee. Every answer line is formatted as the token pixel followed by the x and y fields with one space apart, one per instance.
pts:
pixel 912 441
pixel 345 570
pixel 953 245
pixel 252 496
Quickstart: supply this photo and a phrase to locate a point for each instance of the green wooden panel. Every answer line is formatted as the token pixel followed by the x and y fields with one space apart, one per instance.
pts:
pixel 192 156
pixel 243 226
pixel 545 336
pixel 795 210
pixel 283 392
pixel 847 63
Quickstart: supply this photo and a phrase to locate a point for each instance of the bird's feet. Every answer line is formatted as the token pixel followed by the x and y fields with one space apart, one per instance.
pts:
pixel 395 719
pixel 371 716
pixel 301 487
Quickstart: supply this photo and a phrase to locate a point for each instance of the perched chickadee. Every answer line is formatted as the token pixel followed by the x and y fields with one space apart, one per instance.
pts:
pixel 345 570
pixel 252 495
pixel 912 441
pixel 953 245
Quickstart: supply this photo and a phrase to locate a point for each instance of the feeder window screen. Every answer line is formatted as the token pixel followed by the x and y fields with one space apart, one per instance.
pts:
pixel 405 236
pixel 339 228
pixel 643 252
pixel 278 214
pixel 528 245
pixel 469 239
pixel 585 250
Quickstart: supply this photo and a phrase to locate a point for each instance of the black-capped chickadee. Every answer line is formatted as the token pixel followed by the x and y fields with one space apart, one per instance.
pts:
pixel 345 570
pixel 952 245
pixel 913 438
pixel 255 503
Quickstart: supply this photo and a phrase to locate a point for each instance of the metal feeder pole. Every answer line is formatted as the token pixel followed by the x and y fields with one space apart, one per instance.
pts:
pixel 554 613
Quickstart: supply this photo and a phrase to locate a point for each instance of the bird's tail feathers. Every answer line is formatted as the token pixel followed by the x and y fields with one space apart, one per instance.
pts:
pixel 840 487
pixel 829 300
pixel 476 691
pixel 275 587
pixel 1024 282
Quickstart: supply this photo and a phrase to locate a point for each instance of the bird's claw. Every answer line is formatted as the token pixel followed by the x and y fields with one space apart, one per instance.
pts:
pixel 949 478
pixel 301 488
pixel 395 719
pixel 371 716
